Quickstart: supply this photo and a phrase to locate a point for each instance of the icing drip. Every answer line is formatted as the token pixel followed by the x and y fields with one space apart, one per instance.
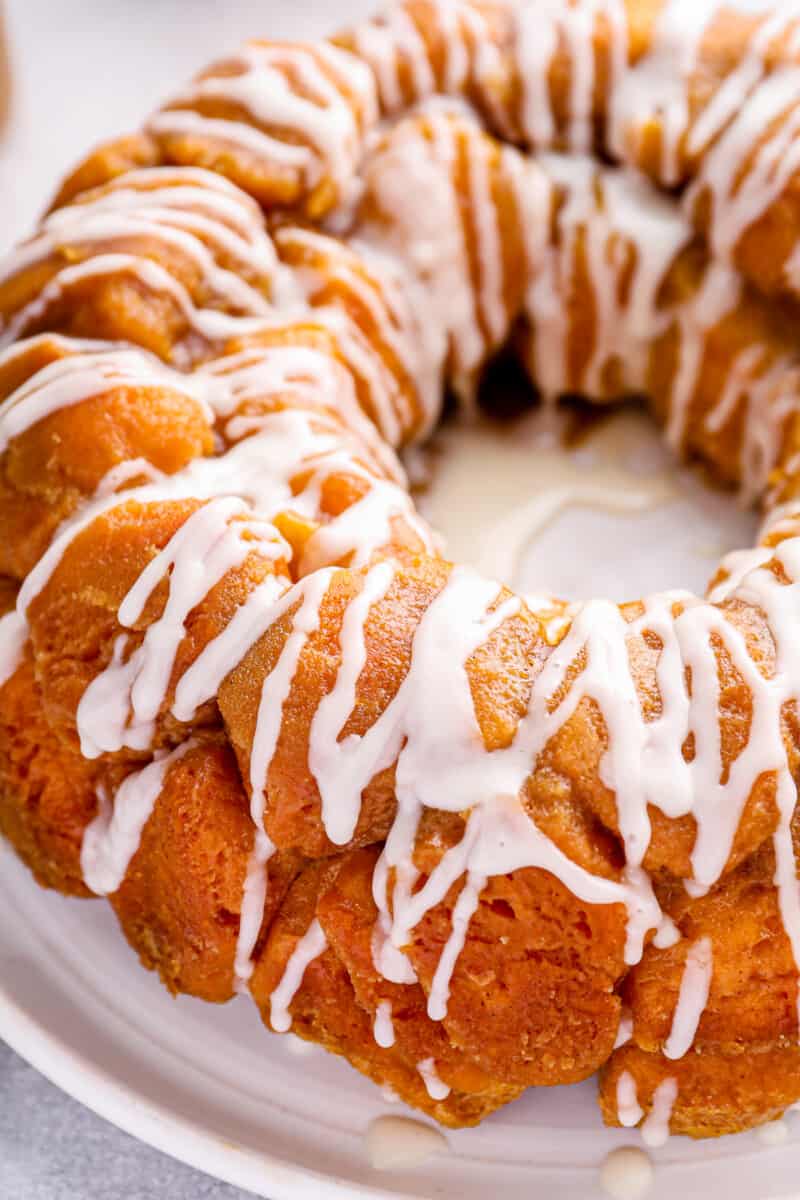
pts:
pixel 112 839
pixel 254 900
pixel 433 1084
pixel 383 1028
pixel 667 935
pixel 542 32
pixel 328 755
pixel 629 1110
pixel 120 706
pixel 625 1030
pixel 74 378
pixel 655 1130
pixel 314 94
pixel 692 999
pixel 311 945
pixel 309 593
pixel 13 635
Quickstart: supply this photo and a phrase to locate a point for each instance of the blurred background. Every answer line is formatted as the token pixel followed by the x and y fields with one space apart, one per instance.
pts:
pixel 85 70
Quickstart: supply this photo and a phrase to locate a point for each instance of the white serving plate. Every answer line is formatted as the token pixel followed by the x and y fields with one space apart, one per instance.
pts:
pixel 209 1085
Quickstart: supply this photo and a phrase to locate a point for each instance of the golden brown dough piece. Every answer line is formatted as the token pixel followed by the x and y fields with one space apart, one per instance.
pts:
pixel 366 300
pixel 106 162
pixel 59 460
pixel 284 121
pixel 165 259
pixel 743 1067
pixel 716 1093
pixel 180 903
pixel 325 1009
pixel 470 231
pixel 751 998
pixel 77 633
pixel 347 913
pixel 47 790
pixel 531 999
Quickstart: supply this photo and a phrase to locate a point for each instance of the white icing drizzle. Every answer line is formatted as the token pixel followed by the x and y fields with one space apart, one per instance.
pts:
pixel 383 1028
pixel 202 680
pixel 13 635
pixel 111 840
pixel 625 1028
pixel 311 945
pixel 208 323
pixel 121 704
pixel 254 900
pixel 310 593
pixel 327 754
pixel 81 376
pixel 398 50
pixel 692 998
pixel 632 213
pixel 436 1089
pixel 253 383
pixel 655 1129
pixel 423 218
pixel 322 111
pixel 542 32
pixel 278 444
pixel 739 203
pixel 374 297
pixel 657 85
pixel 189 220
pixel 644 762
pixel 465 908
pixel 629 1111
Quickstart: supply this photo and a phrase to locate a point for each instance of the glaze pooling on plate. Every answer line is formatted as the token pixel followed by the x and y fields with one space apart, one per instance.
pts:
pixel 626 1173
pixel 398 1143
pixel 281 534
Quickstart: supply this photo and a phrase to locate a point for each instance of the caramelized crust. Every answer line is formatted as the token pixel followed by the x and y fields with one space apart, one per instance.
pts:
pixel 325 1009
pixel 180 903
pixel 47 790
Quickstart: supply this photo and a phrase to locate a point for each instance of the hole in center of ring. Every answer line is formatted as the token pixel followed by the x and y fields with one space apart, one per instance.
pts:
pixel 574 502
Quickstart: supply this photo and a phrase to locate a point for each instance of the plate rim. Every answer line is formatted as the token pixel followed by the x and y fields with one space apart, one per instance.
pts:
pixel 186 1141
